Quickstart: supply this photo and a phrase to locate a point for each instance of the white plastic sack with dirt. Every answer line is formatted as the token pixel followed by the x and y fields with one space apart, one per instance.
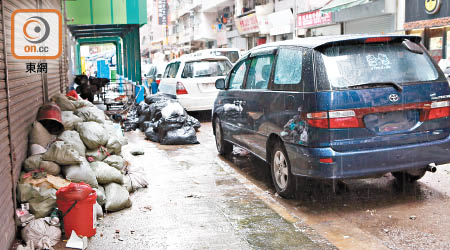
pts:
pixel 81 173
pixel 106 174
pixel 82 103
pixel 101 197
pixel 42 204
pixel 173 109
pixel 90 114
pixel 41 234
pixel 40 135
pixel 115 161
pixel 35 162
pixel 93 134
pixel 62 153
pixel 69 120
pixel 73 138
pixel 63 102
pixel 117 197
pixel 116 139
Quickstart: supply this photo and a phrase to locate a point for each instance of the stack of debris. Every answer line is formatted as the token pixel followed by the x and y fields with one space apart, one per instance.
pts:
pixel 73 141
pixel 164 120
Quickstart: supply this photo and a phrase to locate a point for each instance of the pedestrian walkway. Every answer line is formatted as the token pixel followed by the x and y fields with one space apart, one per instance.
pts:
pixel 193 203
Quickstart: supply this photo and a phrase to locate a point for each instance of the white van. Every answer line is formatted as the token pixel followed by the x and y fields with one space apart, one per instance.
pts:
pixel 232 54
pixel 192 80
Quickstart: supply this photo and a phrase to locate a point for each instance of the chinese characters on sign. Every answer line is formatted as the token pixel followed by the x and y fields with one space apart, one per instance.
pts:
pixel 247 24
pixel 314 18
pixel 162 12
pixel 31 68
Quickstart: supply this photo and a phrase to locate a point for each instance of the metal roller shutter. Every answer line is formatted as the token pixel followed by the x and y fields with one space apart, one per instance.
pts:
pixel 7 230
pixel 374 25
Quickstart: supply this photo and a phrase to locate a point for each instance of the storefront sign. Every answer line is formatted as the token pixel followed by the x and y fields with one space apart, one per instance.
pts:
pixel 281 22
pixel 432 6
pixel 162 12
pixel 314 18
pixel 247 24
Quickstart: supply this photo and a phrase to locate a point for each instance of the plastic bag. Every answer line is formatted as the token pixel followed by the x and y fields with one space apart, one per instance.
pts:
pixel 73 138
pixel 41 234
pixel 184 135
pixel 36 149
pixel 82 103
pixel 127 183
pixel 63 102
pixel 40 135
pixel 98 210
pixel 106 174
pixel 97 154
pixel 26 192
pixel 137 176
pixel 32 162
pixel 193 122
pixel 155 109
pixel 69 120
pixel 50 167
pixel 173 109
pixel 152 134
pixel 171 123
pixel 81 173
pixel 43 204
pixel 116 139
pixel 93 134
pixel 91 114
pixel 62 153
pixel 157 98
pixel 101 198
pixel 117 197
pixel 115 161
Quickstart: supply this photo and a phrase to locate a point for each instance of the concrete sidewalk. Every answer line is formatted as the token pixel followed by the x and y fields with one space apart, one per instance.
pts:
pixel 192 203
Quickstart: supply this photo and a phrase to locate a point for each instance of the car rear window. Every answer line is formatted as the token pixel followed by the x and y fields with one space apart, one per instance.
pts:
pixel 347 65
pixel 232 55
pixel 206 68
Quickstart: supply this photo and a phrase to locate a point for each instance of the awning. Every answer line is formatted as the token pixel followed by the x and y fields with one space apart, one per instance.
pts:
pixel 336 5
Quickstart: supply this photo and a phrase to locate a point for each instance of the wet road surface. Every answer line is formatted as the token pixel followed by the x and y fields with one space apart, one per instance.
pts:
pixel 195 200
pixel 198 200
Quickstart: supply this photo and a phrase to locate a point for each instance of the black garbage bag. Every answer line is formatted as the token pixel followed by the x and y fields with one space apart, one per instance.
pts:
pixel 171 123
pixel 193 122
pixel 130 125
pixel 141 107
pixel 181 136
pixel 155 109
pixel 151 133
pixel 158 97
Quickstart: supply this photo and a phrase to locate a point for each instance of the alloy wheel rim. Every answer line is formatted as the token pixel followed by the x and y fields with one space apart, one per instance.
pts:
pixel 280 170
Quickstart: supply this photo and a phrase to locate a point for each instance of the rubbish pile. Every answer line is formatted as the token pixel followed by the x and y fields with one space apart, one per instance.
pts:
pixel 163 120
pixel 72 143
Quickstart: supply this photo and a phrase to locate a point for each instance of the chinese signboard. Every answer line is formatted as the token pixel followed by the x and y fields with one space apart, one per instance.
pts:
pixel 247 24
pixel 162 12
pixel 314 18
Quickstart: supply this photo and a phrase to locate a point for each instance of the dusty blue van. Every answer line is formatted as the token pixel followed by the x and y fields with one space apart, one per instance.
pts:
pixel 337 107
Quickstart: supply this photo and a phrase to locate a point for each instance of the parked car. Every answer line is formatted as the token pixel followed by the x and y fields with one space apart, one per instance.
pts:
pixel 231 53
pixel 337 107
pixel 192 80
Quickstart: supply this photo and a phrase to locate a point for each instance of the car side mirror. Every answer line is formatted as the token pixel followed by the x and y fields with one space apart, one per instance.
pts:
pixel 220 83
pixel 145 75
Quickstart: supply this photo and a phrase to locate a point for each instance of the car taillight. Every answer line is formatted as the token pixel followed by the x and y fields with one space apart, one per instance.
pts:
pixel 333 119
pixel 181 90
pixel 439 110
pixel 377 39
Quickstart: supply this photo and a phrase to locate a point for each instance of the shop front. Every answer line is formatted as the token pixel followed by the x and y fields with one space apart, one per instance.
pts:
pixel 430 19
pixel 317 23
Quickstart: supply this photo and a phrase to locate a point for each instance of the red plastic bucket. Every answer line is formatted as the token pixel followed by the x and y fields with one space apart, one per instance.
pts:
pixel 49 115
pixel 82 217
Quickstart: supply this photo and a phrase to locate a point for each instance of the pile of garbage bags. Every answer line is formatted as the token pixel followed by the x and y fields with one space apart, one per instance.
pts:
pixel 163 120
pixel 88 150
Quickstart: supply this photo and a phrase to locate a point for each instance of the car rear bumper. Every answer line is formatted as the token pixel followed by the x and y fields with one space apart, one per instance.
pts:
pixel 197 103
pixel 364 163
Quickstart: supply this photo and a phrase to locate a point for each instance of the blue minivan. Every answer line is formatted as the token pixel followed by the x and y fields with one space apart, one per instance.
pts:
pixel 337 107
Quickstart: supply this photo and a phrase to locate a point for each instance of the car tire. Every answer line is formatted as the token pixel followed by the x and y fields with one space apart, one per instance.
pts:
pixel 223 147
pixel 282 178
pixel 406 177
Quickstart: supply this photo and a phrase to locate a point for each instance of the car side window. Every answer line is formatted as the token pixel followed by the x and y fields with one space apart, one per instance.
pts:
pixel 166 72
pixel 288 69
pixel 259 72
pixel 237 75
pixel 174 69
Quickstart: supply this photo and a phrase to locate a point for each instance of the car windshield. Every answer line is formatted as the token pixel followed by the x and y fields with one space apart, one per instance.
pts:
pixel 232 55
pixel 351 65
pixel 206 68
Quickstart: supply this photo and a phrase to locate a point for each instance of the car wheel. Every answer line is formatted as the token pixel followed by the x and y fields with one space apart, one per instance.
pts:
pixel 410 176
pixel 282 177
pixel 223 147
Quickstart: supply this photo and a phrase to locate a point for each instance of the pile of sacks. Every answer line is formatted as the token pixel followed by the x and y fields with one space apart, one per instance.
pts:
pixel 88 150
pixel 164 120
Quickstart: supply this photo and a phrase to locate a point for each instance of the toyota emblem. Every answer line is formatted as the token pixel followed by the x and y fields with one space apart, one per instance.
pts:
pixel 393 98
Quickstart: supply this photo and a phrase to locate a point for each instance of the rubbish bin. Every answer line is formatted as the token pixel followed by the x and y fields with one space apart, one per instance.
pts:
pixel 76 203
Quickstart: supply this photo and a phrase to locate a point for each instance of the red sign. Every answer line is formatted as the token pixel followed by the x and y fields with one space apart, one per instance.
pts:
pixel 247 24
pixel 314 18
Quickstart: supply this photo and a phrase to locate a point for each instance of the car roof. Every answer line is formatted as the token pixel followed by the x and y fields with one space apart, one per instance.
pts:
pixel 218 49
pixel 314 42
pixel 190 58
